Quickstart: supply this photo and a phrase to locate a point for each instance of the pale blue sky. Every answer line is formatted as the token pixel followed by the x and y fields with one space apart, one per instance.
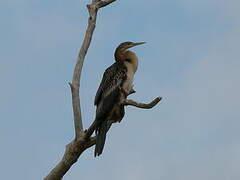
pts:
pixel 191 59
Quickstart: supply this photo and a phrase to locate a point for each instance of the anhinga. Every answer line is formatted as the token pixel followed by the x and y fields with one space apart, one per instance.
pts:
pixel 116 84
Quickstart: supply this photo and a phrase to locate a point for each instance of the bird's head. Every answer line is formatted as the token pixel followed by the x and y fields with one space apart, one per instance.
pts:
pixel 121 49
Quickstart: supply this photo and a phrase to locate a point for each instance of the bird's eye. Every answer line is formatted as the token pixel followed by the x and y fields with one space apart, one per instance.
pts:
pixel 128 60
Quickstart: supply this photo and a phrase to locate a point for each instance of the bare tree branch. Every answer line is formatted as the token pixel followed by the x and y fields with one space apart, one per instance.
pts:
pixel 129 102
pixel 71 155
pixel 105 3
pixel 79 144
pixel 90 130
pixel 78 69
pixel 126 102
pixel 75 85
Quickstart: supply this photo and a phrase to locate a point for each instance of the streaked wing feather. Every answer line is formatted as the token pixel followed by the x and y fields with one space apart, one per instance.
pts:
pixel 109 88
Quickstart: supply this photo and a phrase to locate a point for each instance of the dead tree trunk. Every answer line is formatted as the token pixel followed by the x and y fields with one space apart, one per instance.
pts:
pixel 83 139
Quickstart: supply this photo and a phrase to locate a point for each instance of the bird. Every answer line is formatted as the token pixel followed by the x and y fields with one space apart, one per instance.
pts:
pixel 116 84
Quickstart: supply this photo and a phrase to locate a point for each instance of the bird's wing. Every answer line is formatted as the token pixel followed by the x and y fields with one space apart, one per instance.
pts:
pixel 108 90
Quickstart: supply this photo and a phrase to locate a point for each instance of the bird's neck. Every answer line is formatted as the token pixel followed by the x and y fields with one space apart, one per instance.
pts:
pixel 131 60
pixel 119 54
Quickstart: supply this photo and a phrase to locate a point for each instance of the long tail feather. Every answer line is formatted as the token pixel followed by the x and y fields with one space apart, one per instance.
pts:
pixel 101 132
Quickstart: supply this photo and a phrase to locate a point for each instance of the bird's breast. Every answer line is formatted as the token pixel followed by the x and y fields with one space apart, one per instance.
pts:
pixel 127 85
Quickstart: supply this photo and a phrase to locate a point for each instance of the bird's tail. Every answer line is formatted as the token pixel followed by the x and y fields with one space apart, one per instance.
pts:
pixel 101 132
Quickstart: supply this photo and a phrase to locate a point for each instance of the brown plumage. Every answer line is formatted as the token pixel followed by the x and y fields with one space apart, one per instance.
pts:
pixel 116 82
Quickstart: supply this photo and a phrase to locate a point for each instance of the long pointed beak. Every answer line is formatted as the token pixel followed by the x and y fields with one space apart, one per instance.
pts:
pixel 138 43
